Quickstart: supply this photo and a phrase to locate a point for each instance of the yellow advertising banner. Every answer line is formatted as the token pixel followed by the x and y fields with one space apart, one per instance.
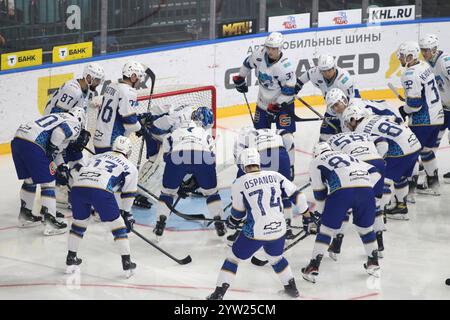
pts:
pixel 21 59
pixel 74 51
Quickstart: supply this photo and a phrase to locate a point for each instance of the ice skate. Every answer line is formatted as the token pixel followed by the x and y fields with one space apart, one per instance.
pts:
pixel 72 263
pixel 335 248
pixel 372 267
pixel 27 219
pixel 431 187
pixel 219 292
pixel 52 225
pixel 399 212
pixel 311 271
pixel 128 266
pixel 291 289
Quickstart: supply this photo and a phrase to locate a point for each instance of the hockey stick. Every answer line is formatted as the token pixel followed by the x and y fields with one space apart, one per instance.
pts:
pixel 196 217
pixel 317 113
pixel 185 260
pixel 89 150
pixel 394 90
pixel 249 110
pixel 301 235
pixel 152 76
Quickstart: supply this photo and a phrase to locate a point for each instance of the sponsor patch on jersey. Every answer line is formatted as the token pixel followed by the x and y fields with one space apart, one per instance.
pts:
pixel 447 59
pixel 285 120
pixel 407 73
pixel 345 80
pixel 52 168
pixel 287 64
pixel 272 226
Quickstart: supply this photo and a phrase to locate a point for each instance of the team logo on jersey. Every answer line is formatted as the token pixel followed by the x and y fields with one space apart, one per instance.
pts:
pixel 359 150
pixel 285 120
pixel 52 167
pixel 264 79
pixel 90 174
pixel 272 226
pixel 358 173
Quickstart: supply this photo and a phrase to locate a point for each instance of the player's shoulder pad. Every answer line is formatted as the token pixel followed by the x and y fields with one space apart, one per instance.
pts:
pixel 73 87
pixel 125 89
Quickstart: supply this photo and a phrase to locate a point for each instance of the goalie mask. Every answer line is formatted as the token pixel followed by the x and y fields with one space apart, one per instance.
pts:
pixel 204 117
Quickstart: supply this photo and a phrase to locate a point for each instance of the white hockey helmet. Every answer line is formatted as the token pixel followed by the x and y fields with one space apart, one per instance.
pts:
pixel 429 41
pixel 80 114
pixel 123 145
pixel 320 148
pixel 335 95
pixel 326 62
pixel 409 48
pixel 96 72
pixel 250 156
pixel 274 40
pixel 134 67
pixel 353 112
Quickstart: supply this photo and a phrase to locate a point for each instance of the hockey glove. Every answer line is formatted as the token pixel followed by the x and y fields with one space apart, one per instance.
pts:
pixel 82 141
pixel 273 108
pixel 62 175
pixel 403 112
pixel 128 219
pixel 52 151
pixel 311 223
pixel 188 186
pixel 232 223
pixel 298 86
pixel 241 85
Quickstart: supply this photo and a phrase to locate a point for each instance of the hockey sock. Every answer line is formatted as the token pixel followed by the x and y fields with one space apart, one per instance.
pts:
pixel 119 232
pixel 368 238
pixel 287 210
pixel 283 270
pixel 323 240
pixel 48 198
pixel 28 193
pixel 401 189
pixel 379 223
pixel 429 162
pixel 215 205
pixel 387 193
pixel 344 223
pixel 227 272
pixel 299 200
pixel 162 208
pixel 77 230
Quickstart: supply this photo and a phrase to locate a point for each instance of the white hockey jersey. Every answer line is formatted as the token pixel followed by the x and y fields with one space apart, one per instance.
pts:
pixel 59 129
pixel 336 170
pixel 167 118
pixel 110 171
pixel 261 139
pixel 257 196
pixel 402 141
pixel 359 145
pixel 276 80
pixel 69 95
pixel 423 101
pixel 342 81
pixel 117 115
pixel 441 70
pixel 188 137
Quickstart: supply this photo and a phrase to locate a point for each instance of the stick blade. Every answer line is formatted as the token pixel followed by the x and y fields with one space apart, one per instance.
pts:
pixel 186 260
pixel 257 262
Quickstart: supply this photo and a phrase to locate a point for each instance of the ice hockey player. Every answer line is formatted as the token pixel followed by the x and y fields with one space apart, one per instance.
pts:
pixel 37 153
pixel 337 101
pixel 190 149
pixel 326 76
pixel 400 158
pixel 440 64
pixel 276 78
pixel 161 121
pixel 350 184
pixel 423 108
pixel 117 115
pixel 94 185
pixel 257 198
pixel 76 92
pixel 273 146
pixel 371 150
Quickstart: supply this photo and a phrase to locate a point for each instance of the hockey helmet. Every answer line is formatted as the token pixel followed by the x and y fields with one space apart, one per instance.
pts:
pixel 274 40
pixel 250 156
pixel 80 114
pixel 408 48
pixel 326 62
pixel 204 117
pixel 134 67
pixel 353 112
pixel 429 41
pixel 123 145
pixel 334 96
pixel 320 148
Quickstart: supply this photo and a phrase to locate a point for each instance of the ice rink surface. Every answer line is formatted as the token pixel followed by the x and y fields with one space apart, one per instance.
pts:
pixel 415 265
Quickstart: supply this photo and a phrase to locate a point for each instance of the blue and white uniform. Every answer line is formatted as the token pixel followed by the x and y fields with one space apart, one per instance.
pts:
pixel 378 107
pixel 426 116
pixel 98 181
pixel 190 149
pixel 340 183
pixel 37 150
pixel 441 69
pixel 69 95
pixel 117 116
pixel 276 86
pixel 402 153
pixel 343 80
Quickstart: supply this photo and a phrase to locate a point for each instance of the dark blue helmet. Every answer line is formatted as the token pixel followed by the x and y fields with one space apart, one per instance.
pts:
pixel 204 116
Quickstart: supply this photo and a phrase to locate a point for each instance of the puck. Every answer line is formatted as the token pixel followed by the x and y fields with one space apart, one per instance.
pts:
pixel 447 282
